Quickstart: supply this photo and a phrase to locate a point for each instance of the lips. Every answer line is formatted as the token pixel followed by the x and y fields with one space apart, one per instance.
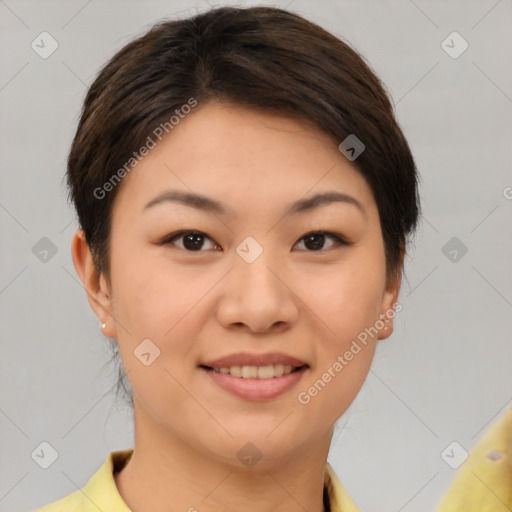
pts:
pixel 255 377
pixel 247 359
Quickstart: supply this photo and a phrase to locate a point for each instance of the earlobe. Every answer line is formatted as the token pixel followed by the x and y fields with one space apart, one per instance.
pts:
pixel 94 283
pixel 388 309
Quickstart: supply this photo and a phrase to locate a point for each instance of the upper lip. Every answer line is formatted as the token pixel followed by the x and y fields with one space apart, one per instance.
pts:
pixel 247 359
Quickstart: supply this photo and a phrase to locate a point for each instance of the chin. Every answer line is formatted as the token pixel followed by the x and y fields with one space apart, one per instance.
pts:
pixel 262 445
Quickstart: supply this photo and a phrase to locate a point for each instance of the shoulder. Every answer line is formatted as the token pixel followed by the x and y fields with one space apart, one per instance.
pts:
pixel 100 492
pixel 484 481
pixel 70 503
pixel 339 499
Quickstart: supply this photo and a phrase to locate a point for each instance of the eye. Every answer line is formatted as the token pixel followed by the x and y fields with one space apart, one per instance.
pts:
pixel 191 241
pixel 194 241
pixel 315 241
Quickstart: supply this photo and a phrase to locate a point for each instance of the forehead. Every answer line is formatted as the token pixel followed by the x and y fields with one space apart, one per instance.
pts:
pixel 245 157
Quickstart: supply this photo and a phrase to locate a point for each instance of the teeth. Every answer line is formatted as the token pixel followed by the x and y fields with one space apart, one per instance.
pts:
pixel 265 372
pixel 256 372
pixel 236 371
pixel 278 370
pixel 249 372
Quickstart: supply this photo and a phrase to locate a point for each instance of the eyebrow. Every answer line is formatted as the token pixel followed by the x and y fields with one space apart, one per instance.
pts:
pixel 208 204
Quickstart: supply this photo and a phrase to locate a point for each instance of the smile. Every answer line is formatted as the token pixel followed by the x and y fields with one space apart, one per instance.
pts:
pixel 257 383
pixel 256 372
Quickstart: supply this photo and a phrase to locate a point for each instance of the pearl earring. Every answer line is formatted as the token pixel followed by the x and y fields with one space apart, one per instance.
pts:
pixel 103 325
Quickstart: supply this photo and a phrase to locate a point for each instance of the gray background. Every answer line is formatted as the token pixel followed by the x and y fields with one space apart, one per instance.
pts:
pixel 443 376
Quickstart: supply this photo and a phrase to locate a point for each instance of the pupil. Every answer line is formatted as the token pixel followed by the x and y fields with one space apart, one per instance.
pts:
pixel 314 241
pixel 193 241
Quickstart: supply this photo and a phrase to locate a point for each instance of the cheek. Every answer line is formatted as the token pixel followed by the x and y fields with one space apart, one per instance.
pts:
pixel 345 351
pixel 165 307
pixel 345 303
pixel 156 296
pixel 344 299
pixel 334 386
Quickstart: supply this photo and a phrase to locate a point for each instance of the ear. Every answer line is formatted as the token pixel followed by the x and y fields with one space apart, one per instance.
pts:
pixel 388 308
pixel 390 304
pixel 95 283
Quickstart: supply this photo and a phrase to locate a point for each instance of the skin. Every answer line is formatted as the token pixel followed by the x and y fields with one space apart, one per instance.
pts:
pixel 201 305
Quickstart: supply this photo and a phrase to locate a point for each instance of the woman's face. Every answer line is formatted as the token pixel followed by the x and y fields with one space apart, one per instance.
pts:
pixel 250 285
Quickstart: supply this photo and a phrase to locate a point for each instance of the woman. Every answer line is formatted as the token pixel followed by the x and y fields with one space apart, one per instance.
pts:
pixel 245 196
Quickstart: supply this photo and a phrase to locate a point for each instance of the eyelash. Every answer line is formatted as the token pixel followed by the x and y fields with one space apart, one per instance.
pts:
pixel 339 240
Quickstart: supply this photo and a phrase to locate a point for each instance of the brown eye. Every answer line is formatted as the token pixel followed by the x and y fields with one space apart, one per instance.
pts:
pixel 315 241
pixel 192 241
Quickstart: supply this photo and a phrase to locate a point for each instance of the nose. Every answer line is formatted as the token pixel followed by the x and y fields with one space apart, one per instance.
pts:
pixel 256 297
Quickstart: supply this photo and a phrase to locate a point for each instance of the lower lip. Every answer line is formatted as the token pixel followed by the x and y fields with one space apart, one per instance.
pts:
pixel 256 389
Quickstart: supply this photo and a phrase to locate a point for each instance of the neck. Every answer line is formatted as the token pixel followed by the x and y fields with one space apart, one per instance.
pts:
pixel 164 470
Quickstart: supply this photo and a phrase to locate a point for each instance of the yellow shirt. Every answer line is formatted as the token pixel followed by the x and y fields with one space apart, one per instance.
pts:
pixel 484 481
pixel 100 492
